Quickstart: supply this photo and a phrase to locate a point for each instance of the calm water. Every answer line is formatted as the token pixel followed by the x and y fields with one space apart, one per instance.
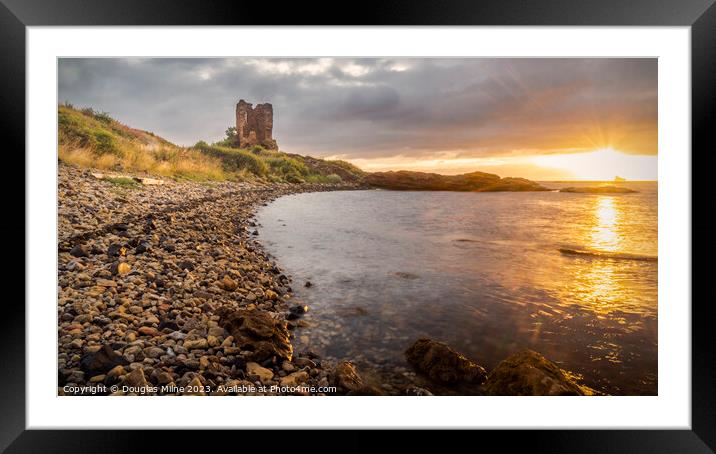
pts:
pixel 573 276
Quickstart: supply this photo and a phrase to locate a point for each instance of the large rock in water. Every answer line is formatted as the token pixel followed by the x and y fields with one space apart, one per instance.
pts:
pixel 530 374
pixel 346 376
pixel 443 364
pixel 257 331
pixel 101 361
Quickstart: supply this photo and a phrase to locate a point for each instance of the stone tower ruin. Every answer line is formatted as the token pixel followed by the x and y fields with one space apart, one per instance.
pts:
pixel 254 125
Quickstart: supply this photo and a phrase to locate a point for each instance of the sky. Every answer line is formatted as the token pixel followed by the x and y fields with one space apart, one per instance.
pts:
pixel 537 118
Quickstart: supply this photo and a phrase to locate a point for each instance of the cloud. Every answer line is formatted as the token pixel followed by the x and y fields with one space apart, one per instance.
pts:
pixel 380 108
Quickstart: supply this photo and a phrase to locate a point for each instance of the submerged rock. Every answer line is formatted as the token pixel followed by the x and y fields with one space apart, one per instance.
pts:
pixel 528 373
pixel 417 391
pixel 443 364
pixel 296 311
pixel 346 376
pixel 258 332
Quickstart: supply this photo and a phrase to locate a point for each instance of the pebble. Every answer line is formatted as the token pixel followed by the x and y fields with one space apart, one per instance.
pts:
pixel 294 379
pixel 263 373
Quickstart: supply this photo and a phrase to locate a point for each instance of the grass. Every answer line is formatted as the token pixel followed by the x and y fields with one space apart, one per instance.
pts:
pixel 124 182
pixel 345 166
pixel 95 140
pixel 88 138
pixel 271 165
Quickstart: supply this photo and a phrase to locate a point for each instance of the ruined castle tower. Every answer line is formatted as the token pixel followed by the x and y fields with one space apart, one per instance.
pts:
pixel 254 125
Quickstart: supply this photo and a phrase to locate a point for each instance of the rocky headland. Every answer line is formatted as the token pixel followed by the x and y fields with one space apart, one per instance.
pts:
pixel 474 181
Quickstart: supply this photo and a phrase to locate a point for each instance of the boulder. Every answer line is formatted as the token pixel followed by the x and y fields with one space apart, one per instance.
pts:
pixel 346 376
pixel 101 361
pixel 528 373
pixel 257 331
pixel 443 364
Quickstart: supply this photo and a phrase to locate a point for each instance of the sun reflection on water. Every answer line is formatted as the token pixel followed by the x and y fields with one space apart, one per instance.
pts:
pixel 598 284
pixel 605 235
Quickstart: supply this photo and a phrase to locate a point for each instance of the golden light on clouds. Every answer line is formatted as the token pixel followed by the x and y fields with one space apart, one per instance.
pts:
pixel 537 118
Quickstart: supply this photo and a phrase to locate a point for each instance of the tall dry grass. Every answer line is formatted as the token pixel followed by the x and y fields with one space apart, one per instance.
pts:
pixel 173 163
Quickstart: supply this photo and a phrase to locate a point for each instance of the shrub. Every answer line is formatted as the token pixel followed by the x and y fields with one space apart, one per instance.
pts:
pixel 235 160
pixel 103 142
pixel 284 165
pixel 85 134
pixel 334 179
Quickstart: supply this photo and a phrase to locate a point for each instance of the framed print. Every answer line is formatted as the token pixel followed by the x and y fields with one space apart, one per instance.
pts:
pixel 452 216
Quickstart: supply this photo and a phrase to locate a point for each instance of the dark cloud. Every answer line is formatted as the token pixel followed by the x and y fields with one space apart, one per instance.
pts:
pixel 369 108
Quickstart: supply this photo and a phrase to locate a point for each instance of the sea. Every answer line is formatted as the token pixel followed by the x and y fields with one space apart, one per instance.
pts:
pixel 572 276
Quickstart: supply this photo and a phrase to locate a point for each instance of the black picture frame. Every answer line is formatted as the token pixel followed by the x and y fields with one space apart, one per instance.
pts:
pixel 700 15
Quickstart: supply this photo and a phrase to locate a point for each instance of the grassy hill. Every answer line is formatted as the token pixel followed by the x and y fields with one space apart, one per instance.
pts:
pixel 93 139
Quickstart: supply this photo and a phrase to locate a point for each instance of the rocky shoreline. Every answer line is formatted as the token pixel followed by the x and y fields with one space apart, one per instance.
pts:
pixel 163 289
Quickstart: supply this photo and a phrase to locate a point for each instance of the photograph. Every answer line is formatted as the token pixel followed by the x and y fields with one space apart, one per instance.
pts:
pixel 357 226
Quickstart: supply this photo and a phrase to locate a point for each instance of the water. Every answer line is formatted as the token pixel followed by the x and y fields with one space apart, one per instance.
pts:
pixel 572 276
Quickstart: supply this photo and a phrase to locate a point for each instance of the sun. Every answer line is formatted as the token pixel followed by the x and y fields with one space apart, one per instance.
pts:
pixel 602 165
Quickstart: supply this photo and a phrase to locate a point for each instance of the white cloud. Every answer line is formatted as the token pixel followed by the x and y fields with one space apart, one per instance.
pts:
pixel 355 69
pixel 291 67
